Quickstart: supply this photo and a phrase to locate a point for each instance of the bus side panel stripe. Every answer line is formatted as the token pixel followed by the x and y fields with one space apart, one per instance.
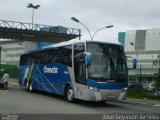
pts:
pixel 107 85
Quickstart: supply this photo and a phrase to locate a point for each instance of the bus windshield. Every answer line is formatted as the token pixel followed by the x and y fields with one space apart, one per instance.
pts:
pixel 108 62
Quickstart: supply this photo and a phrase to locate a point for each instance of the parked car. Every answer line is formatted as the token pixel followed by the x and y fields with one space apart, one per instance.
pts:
pixel 145 86
pixel 157 93
pixel 151 87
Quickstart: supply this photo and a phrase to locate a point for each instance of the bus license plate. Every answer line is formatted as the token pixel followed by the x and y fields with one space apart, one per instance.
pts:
pixel 111 95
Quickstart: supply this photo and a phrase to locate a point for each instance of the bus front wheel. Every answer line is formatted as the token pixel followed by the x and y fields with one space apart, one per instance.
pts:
pixel 69 95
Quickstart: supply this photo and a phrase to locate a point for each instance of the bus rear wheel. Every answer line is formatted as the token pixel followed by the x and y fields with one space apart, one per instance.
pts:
pixel 26 86
pixel 69 95
pixel 30 87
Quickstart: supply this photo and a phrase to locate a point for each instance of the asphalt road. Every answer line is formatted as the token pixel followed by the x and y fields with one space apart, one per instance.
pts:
pixel 16 100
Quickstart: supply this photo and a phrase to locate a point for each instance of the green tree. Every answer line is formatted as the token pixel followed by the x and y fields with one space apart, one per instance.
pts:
pixel 157 62
pixel 157 84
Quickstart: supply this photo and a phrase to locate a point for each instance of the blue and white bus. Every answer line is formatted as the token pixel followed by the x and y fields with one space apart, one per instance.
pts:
pixel 87 70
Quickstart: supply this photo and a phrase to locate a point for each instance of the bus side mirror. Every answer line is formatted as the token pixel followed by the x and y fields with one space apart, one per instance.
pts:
pixel 134 62
pixel 88 58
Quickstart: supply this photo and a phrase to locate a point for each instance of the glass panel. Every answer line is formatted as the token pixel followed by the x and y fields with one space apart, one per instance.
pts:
pixel 100 67
pixel 79 63
pixel 108 62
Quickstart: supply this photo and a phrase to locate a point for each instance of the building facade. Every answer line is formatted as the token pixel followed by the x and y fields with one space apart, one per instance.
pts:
pixel 144 46
pixel 11 50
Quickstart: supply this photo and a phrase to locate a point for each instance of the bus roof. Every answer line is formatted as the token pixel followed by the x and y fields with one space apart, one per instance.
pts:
pixel 70 43
pixel 78 41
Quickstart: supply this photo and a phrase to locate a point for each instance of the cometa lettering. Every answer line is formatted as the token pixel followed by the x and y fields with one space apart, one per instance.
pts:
pixel 50 70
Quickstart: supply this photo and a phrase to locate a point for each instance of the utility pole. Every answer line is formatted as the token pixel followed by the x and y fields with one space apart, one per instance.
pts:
pixel 0 58
pixel 30 5
pixel 140 67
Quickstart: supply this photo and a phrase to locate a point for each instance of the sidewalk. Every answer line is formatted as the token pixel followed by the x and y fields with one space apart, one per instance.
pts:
pixel 13 80
pixel 150 103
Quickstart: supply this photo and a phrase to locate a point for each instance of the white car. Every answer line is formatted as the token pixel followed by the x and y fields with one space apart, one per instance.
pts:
pixel 156 93
pixel 151 87
pixel 145 86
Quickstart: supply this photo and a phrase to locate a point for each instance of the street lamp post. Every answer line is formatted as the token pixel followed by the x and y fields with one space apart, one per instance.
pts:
pixel 110 26
pixel 135 49
pixel 0 58
pixel 137 58
pixel 76 20
pixel 30 5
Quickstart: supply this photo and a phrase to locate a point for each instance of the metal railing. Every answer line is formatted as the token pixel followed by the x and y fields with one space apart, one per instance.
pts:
pixel 39 27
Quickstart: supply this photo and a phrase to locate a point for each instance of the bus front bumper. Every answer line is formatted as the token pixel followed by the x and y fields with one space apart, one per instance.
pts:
pixel 105 95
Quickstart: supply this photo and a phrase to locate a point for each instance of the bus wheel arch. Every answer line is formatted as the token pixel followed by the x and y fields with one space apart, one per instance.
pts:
pixel 69 94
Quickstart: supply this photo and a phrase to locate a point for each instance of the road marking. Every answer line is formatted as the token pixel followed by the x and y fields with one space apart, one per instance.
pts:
pixel 5 92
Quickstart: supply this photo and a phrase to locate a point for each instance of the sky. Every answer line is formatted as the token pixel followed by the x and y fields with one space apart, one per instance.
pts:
pixel 124 15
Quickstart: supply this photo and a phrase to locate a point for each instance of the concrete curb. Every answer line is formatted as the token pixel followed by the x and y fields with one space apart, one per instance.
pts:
pixel 140 103
pixel 155 105
pixel 135 103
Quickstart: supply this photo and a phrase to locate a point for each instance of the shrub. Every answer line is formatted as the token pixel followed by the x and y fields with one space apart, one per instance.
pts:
pixel 11 69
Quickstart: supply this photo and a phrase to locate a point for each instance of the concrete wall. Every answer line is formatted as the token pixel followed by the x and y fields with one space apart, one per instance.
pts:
pixel 153 39
pixel 10 52
pixel 29 45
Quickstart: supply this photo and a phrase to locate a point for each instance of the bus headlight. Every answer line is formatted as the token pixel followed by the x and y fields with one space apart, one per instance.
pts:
pixel 92 88
pixel 124 89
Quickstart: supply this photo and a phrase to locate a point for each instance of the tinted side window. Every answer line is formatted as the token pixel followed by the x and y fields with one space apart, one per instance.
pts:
pixel 22 60
pixel 45 57
pixel 65 56
pixel 26 59
pixel 62 55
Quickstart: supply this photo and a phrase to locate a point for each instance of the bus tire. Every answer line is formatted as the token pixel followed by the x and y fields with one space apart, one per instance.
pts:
pixel 26 85
pixel 69 94
pixel 30 87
